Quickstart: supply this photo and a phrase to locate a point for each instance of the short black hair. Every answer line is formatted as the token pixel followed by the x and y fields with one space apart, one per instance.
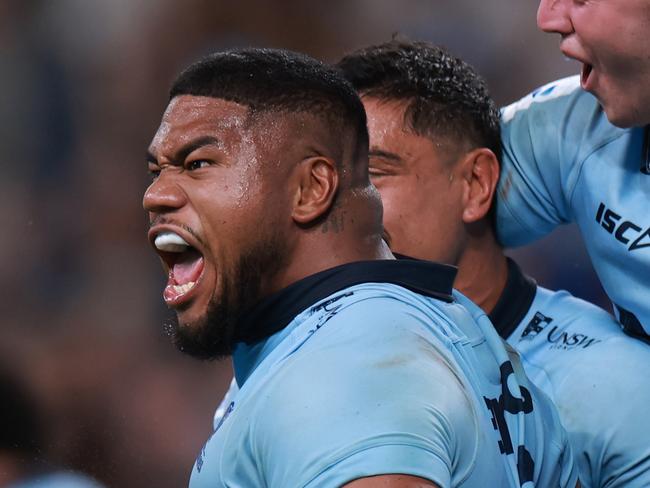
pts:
pixel 446 97
pixel 270 80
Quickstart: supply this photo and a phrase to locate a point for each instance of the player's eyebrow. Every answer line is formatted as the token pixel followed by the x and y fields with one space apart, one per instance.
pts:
pixel 388 156
pixel 187 149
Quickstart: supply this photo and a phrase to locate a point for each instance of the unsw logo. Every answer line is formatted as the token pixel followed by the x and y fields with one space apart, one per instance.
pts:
pixel 536 325
pixel 560 338
pixel 626 232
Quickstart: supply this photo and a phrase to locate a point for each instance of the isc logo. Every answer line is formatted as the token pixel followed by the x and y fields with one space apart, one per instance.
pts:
pixel 625 231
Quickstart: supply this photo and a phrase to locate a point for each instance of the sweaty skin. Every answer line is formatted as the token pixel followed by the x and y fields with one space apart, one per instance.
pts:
pixel 255 206
pixel 421 180
pixel 204 167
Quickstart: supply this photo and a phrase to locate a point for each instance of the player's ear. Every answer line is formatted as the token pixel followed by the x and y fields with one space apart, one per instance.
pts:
pixel 317 184
pixel 482 175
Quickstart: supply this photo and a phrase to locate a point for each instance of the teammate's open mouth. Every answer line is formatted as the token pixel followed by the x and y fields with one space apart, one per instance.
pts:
pixel 584 75
pixel 185 264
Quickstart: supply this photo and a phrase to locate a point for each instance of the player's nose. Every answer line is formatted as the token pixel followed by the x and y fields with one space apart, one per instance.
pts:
pixel 163 195
pixel 553 16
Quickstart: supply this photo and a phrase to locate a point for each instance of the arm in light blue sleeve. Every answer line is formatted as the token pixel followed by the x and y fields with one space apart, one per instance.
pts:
pixel 543 138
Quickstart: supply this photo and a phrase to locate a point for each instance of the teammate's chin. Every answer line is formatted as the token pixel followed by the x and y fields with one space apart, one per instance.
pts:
pixel 623 116
pixel 618 103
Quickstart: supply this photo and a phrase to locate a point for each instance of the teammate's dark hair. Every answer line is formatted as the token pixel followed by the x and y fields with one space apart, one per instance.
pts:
pixel 446 97
pixel 269 80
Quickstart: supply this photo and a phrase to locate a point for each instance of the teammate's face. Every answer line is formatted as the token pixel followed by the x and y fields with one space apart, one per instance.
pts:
pixel 213 211
pixel 419 185
pixel 611 38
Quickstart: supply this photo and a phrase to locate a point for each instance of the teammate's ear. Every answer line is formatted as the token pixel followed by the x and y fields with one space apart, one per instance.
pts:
pixel 482 176
pixel 318 181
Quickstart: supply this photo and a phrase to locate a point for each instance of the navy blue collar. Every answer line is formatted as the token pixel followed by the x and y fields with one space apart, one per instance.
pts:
pixel 276 311
pixel 514 302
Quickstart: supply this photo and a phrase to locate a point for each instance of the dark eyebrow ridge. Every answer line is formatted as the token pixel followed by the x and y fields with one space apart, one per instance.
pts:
pixel 188 148
pixel 385 154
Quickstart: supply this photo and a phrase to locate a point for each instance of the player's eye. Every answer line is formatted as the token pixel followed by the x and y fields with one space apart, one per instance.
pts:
pixel 376 172
pixel 197 164
pixel 378 167
pixel 154 172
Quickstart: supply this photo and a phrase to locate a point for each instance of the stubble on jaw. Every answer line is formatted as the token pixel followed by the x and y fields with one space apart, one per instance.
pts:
pixel 215 335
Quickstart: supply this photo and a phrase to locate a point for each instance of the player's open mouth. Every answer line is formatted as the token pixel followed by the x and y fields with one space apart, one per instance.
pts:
pixel 584 75
pixel 184 264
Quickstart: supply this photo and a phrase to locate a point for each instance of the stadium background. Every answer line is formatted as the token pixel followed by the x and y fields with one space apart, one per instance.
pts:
pixel 82 87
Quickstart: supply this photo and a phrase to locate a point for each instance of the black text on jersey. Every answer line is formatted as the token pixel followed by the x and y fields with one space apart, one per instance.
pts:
pixel 625 231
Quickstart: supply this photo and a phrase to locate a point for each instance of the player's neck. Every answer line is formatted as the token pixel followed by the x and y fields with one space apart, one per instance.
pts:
pixel 482 272
pixel 351 232
pixel 322 249
pixel 325 254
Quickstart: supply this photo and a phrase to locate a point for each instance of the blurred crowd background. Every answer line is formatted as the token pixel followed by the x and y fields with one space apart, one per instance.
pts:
pixel 83 84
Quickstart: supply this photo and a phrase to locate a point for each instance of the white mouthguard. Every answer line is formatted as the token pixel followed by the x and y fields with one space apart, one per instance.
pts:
pixel 170 242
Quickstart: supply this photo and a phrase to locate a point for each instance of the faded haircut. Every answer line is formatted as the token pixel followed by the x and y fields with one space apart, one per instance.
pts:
pixel 274 80
pixel 446 98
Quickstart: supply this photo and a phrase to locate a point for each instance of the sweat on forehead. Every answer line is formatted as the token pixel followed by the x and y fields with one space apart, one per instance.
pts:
pixel 191 123
pixel 188 118
pixel 278 85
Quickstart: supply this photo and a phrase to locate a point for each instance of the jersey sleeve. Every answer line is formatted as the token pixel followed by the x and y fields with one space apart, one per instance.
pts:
pixel 607 397
pixel 543 138
pixel 371 403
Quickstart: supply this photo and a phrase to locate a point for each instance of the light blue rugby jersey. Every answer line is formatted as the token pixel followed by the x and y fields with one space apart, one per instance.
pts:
pixel 373 378
pixel 564 162
pixel 579 356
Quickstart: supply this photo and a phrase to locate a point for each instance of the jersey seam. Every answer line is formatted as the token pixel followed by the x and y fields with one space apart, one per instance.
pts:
pixel 581 165
pixel 522 224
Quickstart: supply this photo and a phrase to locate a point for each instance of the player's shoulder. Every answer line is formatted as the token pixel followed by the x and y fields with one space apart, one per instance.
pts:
pixel 387 336
pixel 559 99
pixel 397 313
pixel 368 380
pixel 597 381
pixel 582 336
pixel 550 96
pixel 569 307
pixel 356 314
pixel 563 107
pixel 376 331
